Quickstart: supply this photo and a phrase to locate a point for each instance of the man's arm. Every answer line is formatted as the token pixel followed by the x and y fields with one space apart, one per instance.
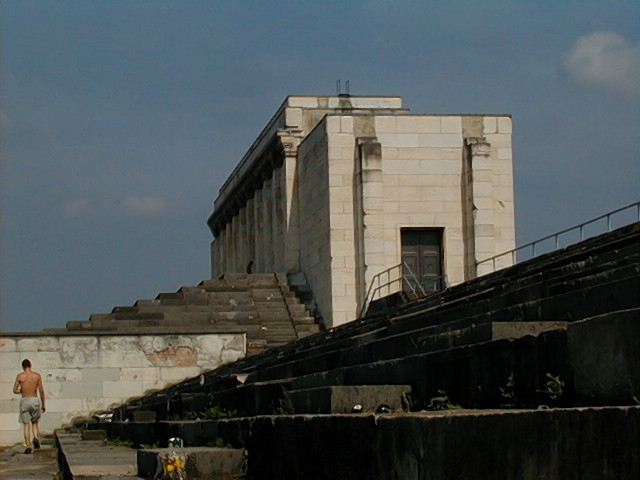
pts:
pixel 17 388
pixel 42 397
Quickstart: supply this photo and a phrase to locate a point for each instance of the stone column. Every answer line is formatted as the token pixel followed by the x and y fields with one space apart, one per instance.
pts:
pixel 267 224
pixel 258 207
pixel 251 231
pixel 233 251
pixel 279 218
pixel 290 139
pixel 214 245
pixel 242 240
pixel 369 214
pixel 481 190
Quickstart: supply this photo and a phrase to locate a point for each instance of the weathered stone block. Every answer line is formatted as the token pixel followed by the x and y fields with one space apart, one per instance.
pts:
pixel 8 345
pixel 342 399
pixel 144 416
pixel 122 389
pixel 98 435
pixel 604 353
pixel 195 462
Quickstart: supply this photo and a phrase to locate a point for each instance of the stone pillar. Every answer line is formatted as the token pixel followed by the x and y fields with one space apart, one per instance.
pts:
pixel 251 231
pixel 258 207
pixel 212 250
pixel 242 240
pixel 279 218
pixel 233 251
pixel 369 214
pixel 221 259
pixel 267 225
pixel 481 190
pixel 290 139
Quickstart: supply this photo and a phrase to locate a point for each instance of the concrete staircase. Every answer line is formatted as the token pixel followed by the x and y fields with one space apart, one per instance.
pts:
pixel 497 342
pixel 262 304
pixel 447 341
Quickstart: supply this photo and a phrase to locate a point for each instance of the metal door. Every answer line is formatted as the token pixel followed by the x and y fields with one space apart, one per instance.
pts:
pixel 422 256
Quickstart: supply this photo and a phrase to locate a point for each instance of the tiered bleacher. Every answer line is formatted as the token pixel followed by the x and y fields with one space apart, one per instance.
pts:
pixel 534 369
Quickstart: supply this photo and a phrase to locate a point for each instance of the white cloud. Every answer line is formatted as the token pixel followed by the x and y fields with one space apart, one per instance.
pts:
pixel 606 60
pixel 144 206
pixel 76 208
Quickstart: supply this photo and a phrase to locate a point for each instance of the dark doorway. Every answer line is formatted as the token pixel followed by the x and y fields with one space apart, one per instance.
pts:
pixel 422 259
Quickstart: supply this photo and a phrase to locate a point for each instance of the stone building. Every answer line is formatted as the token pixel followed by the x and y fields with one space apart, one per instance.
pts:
pixel 342 188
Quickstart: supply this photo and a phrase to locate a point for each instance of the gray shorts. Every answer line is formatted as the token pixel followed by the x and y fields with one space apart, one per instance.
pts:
pixel 30 410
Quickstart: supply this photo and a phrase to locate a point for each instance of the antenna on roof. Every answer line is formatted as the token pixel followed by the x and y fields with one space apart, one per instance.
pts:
pixel 339 89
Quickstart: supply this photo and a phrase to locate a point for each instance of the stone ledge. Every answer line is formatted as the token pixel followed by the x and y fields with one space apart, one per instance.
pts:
pixel 196 462
pixel 171 330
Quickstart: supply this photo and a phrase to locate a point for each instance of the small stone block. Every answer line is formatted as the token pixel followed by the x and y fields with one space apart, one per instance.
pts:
pixel 144 416
pixel 196 462
pixel 342 398
pixel 94 434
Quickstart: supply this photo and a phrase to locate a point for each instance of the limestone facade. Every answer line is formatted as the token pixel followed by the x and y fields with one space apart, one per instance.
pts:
pixel 340 187
pixel 91 372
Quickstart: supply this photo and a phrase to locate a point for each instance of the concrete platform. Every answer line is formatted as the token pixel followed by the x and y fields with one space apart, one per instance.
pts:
pixel 194 462
pixel 15 465
pixel 91 459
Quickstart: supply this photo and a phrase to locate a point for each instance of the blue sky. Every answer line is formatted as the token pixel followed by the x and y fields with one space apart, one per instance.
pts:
pixel 120 120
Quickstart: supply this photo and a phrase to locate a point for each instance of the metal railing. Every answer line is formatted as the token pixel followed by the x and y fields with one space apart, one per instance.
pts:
pixel 396 279
pixel 555 238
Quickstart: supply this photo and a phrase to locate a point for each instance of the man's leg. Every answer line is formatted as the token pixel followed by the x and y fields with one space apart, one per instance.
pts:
pixel 27 437
pixel 36 435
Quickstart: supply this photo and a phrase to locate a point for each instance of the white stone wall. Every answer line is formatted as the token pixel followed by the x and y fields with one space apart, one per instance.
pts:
pixel 422 187
pixel 342 226
pixel 85 374
pixel 498 132
pixel 315 255
pixel 422 172
pixel 338 216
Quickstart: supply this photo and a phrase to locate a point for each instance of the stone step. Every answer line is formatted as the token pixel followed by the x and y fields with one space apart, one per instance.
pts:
pixel 273 316
pixel 199 462
pixel 545 306
pixel 139 316
pixel 344 398
pixel 303 320
pixel 376 348
pixel 309 328
pixel 226 289
pixel 554 268
pixel 79 325
pixel 90 459
pixel 525 274
pixel 45 453
pixel 131 309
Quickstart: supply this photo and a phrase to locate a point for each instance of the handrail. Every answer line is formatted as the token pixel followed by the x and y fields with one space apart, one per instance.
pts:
pixel 556 236
pixel 409 278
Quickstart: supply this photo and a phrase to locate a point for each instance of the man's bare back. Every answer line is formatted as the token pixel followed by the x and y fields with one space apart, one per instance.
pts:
pixel 28 382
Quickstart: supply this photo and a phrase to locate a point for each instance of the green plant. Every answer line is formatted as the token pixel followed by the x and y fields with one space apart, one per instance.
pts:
pixel 508 393
pixel 520 317
pixel 553 387
pixel 215 412
pixel 442 402
pixel 218 443
pixel 117 442
pixel 408 402
pixel 284 405
pixel 149 446
pixel 177 417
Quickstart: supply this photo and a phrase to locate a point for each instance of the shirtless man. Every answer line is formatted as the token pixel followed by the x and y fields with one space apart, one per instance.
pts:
pixel 29 384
